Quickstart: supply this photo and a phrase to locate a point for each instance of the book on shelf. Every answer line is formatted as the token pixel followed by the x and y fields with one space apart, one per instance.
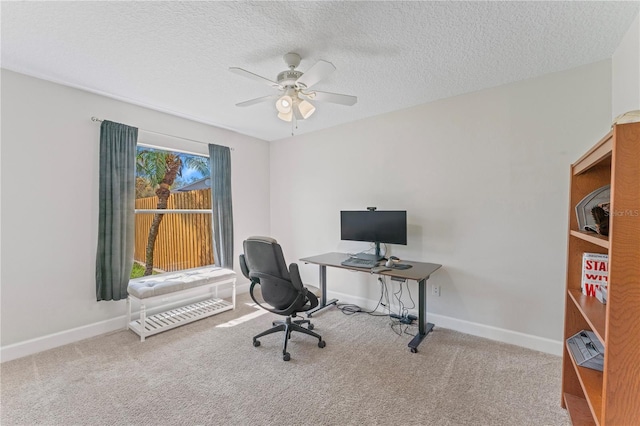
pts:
pixel 601 294
pixel 595 273
pixel 587 350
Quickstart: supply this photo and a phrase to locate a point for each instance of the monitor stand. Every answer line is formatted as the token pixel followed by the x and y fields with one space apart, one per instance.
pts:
pixel 369 256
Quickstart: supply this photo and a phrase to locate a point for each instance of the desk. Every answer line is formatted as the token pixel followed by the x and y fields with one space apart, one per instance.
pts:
pixel 419 272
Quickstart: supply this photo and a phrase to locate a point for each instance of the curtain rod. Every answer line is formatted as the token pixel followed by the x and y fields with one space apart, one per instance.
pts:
pixel 163 134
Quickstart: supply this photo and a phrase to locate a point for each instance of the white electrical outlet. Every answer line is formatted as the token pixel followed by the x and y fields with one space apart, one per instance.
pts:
pixel 435 290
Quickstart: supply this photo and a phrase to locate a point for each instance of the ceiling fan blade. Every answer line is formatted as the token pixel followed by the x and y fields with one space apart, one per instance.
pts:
pixel 335 98
pixel 320 70
pixel 257 100
pixel 253 76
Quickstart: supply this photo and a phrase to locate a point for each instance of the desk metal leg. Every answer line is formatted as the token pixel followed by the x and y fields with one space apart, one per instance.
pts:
pixel 424 327
pixel 324 303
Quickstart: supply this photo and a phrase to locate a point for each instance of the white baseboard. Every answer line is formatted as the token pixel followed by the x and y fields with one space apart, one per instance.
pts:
pixel 39 344
pixel 542 344
pixel 529 341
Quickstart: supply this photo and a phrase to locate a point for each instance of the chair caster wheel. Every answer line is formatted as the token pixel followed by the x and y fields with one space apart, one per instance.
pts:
pixel 286 356
pixel 256 343
pixel 310 327
pixel 414 350
pixel 322 344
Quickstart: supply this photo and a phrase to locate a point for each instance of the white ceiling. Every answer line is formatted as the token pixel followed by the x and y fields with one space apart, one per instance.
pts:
pixel 174 56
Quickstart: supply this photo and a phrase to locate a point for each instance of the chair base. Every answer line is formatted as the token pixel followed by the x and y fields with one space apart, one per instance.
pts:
pixel 288 325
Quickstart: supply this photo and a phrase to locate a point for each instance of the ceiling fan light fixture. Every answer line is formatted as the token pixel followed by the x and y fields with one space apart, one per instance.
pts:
pixel 306 109
pixel 285 116
pixel 283 104
pixel 292 103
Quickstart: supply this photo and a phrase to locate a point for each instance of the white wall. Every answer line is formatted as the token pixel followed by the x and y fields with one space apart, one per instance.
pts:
pixel 50 203
pixel 484 178
pixel 626 72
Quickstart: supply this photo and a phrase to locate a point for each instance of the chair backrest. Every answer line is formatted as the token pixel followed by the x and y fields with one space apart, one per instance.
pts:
pixel 263 256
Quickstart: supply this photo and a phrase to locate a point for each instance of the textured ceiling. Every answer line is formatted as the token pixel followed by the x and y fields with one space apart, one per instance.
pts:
pixel 174 56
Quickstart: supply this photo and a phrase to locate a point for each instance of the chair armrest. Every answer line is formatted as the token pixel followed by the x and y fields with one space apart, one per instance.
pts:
pixel 267 308
pixel 312 299
pixel 255 279
pixel 294 273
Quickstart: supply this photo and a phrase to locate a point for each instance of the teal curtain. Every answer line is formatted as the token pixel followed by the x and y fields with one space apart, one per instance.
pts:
pixel 116 210
pixel 220 167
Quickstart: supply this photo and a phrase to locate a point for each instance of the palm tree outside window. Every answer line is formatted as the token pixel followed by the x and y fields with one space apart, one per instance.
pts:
pixel 173 212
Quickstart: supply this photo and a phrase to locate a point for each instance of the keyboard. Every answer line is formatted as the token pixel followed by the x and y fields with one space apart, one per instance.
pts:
pixel 359 263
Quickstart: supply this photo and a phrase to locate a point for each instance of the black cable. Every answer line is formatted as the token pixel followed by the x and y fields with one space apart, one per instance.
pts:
pixel 350 309
pixel 384 293
pixel 413 303
pixel 400 324
pixel 398 296
pixel 404 312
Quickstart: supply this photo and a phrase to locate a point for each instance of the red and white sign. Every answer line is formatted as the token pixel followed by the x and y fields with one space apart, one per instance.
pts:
pixel 595 272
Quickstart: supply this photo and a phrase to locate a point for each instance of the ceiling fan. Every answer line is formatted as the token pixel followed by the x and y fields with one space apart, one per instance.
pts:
pixel 292 102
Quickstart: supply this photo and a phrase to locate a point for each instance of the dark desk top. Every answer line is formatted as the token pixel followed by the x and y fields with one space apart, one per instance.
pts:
pixel 418 271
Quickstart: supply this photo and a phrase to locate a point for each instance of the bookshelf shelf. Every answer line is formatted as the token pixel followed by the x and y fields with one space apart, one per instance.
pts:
pixel 592 310
pixel 591 382
pixel 609 397
pixel 579 410
pixel 593 238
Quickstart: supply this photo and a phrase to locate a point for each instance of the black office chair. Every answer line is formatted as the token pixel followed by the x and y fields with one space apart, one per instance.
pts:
pixel 263 263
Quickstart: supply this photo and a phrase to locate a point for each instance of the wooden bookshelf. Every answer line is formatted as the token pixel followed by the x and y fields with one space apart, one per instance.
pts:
pixel 610 397
pixel 578 410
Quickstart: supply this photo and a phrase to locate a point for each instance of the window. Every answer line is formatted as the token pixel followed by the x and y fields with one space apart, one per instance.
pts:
pixel 173 212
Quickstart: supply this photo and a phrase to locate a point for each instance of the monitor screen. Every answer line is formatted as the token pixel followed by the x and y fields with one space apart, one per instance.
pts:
pixel 375 226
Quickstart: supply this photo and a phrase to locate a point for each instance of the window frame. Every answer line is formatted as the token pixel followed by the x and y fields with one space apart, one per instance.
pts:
pixel 208 211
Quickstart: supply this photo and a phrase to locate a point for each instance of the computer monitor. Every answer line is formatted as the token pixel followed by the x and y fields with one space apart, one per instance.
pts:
pixel 376 226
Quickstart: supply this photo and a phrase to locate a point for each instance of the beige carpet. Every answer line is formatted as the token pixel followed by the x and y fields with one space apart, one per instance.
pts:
pixel 201 374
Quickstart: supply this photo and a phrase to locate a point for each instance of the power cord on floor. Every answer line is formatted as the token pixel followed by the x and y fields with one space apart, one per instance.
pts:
pixel 350 309
pixel 400 322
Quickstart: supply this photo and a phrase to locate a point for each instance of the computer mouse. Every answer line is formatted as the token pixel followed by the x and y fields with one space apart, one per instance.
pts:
pixel 392 261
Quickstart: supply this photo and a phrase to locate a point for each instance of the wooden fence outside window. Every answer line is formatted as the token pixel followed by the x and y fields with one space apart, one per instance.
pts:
pixel 184 239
